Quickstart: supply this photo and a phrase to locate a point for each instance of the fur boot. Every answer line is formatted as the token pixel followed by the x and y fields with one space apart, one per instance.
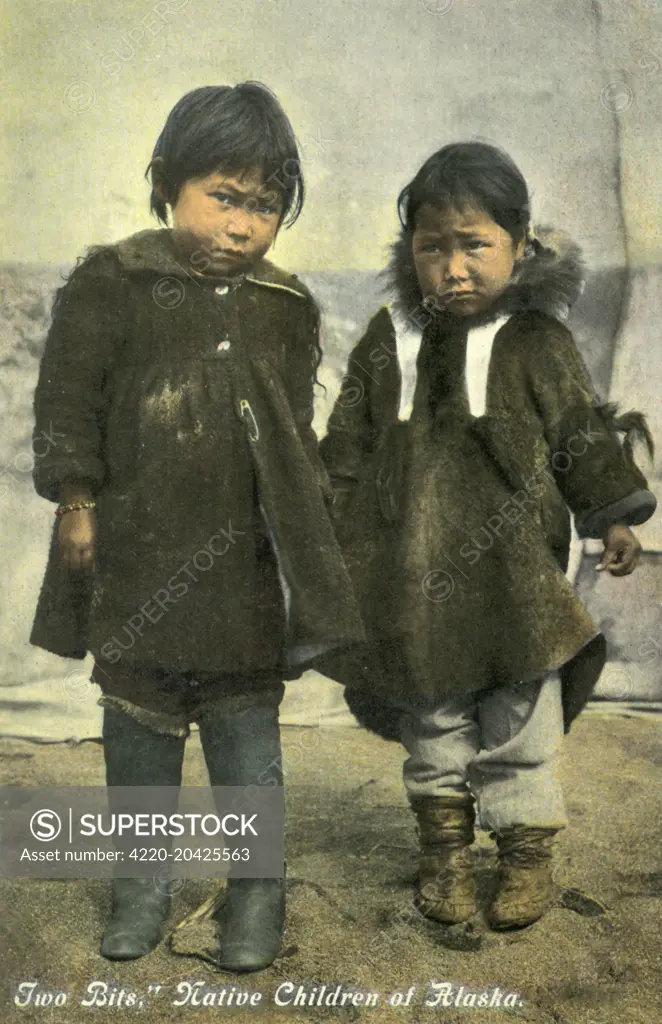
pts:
pixel 446 887
pixel 525 885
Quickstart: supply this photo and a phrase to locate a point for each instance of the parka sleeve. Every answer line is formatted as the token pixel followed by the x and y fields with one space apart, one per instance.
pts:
pixel 70 399
pixel 594 471
pixel 301 375
pixel 350 436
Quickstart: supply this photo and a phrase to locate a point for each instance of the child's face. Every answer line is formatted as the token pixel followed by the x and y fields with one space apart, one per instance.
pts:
pixel 464 260
pixel 225 223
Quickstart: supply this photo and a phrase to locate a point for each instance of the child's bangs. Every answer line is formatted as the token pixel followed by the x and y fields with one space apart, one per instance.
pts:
pixel 235 131
pixel 451 199
pixel 243 142
pixel 459 188
pixel 279 170
pixel 444 194
pixel 467 176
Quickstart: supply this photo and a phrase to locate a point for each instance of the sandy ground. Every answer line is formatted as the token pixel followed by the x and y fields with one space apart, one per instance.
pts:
pixel 351 850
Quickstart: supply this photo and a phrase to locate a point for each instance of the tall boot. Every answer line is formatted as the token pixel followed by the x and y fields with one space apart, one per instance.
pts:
pixel 137 756
pixel 525 886
pixel 243 749
pixel 446 886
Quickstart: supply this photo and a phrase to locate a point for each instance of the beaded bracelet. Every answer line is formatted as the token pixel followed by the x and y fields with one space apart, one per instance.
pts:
pixel 61 509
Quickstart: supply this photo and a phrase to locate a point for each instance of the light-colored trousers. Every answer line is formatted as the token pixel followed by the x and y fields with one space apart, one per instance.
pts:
pixel 500 743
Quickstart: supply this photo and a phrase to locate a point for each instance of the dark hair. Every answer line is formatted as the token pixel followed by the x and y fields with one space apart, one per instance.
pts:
pixel 233 129
pixel 470 173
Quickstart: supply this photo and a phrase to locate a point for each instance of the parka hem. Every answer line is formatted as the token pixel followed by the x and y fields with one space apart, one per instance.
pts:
pixel 157 721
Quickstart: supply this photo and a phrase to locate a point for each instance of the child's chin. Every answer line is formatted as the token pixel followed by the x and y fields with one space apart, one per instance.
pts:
pixel 465 307
pixel 226 265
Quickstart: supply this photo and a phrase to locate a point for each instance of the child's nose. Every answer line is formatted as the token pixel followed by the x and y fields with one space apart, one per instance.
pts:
pixel 456 267
pixel 240 222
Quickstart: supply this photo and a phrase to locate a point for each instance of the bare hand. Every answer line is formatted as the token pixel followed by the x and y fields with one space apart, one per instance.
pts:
pixel 621 553
pixel 77 534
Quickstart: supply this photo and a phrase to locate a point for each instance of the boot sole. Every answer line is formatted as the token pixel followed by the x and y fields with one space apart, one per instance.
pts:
pixel 242 966
pixel 127 953
pixel 428 911
pixel 499 926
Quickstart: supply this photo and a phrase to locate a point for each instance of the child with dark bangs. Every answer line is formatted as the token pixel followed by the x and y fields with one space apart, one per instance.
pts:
pixel 192 554
pixel 466 432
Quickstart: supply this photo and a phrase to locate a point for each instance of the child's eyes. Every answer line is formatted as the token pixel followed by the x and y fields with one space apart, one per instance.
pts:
pixel 225 199
pixel 471 246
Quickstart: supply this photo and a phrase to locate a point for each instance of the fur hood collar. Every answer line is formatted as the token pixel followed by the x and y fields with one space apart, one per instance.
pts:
pixel 549 279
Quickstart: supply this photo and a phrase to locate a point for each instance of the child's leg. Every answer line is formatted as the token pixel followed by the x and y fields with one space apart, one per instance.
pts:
pixel 513 777
pixel 242 748
pixel 441 743
pixel 136 755
pixel 519 795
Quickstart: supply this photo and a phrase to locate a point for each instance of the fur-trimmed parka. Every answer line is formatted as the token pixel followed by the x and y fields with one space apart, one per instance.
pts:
pixel 457 454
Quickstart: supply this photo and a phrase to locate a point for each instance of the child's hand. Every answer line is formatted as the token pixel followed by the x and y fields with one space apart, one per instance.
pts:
pixel 622 551
pixel 76 539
